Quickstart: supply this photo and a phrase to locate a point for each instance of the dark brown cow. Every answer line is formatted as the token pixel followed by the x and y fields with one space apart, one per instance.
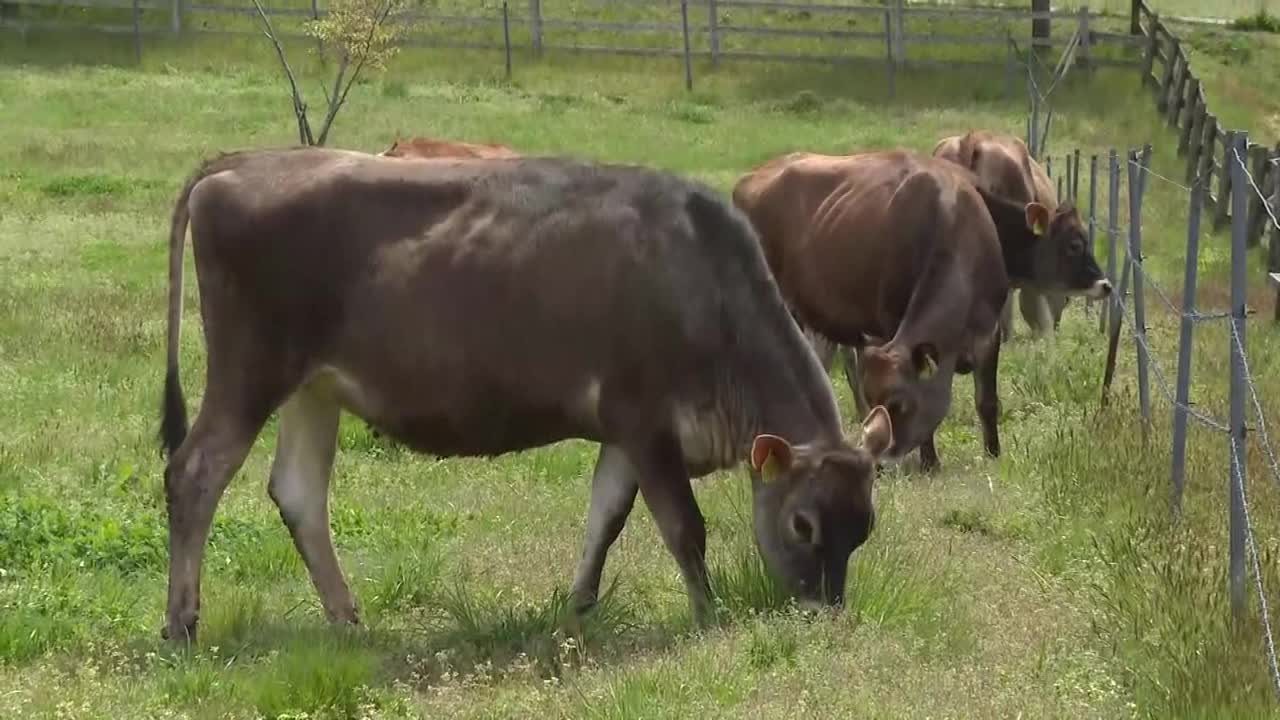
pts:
pixel 422 147
pixel 1004 164
pixel 906 258
pixel 641 312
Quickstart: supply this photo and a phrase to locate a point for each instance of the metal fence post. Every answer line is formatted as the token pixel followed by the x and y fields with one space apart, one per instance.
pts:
pixel 176 20
pixel 1183 389
pixel 713 32
pixel 535 25
pixel 900 33
pixel 1239 263
pixel 1093 211
pixel 1113 230
pixel 1137 169
pixel 1075 178
pixel 684 27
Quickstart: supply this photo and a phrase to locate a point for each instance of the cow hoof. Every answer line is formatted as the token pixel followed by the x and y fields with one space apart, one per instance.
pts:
pixel 179 634
pixel 349 615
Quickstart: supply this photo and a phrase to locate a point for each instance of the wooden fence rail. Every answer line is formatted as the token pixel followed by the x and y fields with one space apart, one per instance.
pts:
pixel 837 33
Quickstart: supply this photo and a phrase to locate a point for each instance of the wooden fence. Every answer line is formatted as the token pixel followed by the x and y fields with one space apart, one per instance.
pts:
pixel 894 33
pixel 1202 140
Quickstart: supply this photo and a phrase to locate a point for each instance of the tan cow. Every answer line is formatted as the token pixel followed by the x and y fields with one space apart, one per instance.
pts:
pixel 1004 164
pixel 423 147
pixel 909 259
pixel 477 307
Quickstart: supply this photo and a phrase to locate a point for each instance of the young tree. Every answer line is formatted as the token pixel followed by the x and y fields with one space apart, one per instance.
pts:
pixel 359 34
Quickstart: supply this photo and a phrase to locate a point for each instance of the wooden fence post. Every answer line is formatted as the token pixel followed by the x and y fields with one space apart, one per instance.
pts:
pixel 1149 60
pixel 137 32
pixel 1135 18
pixel 1170 68
pixel 1084 54
pixel 1193 116
pixel 713 31
pixel 535 25
pixel 1257 200
pixel 176 20
pixel 688 61
pixel 888 52
pixel 1225 181
pixel 1178 93
pixel 1208 153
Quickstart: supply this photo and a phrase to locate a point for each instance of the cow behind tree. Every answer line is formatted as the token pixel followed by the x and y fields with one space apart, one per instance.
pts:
pixel 640 307
pixel 907 259
pixel 424 147
pixel 1004 165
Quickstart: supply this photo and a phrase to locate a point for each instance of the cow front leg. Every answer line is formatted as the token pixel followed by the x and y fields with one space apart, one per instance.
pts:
pixel 665 486
pixel 613 493
pixel 852 365
pixel 299 487
pixel 1037 312
pixel 985 395
pixel 194 481
pixel 929 461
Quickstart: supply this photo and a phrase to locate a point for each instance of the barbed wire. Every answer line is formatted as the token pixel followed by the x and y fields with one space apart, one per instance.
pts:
pixel 1257 403
pixel 1266 203
pixel 1155 174
pixel 1192 315
pixel 1251 543
pixel 1163 382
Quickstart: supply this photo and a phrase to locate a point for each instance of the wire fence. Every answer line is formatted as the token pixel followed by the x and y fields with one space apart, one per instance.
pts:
pixel 1126 308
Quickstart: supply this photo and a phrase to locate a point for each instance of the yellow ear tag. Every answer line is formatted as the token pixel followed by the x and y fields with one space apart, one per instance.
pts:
pixel 1038 229
pixel 770 469
pixel 930 367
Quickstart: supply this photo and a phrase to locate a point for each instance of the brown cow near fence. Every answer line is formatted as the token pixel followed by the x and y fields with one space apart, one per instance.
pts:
pixel 908 259
pixel 424 147
pixel 1004 164
pixel 477 307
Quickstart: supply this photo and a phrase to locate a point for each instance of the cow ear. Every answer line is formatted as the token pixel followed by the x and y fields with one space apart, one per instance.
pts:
pixel 770 456
pixel 1037 218
pixel 925 358
pixel 877 431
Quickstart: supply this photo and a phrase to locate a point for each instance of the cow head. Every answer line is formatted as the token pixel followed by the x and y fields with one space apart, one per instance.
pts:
pixel 812 507
pixel 1059 258
pixel 913 386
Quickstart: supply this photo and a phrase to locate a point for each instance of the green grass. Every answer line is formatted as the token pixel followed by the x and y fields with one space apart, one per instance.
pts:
pixel 1049 583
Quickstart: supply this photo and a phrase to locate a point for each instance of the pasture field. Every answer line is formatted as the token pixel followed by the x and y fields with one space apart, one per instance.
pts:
pixel 1049 583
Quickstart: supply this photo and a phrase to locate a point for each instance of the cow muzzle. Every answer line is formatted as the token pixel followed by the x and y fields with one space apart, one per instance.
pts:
pixel 1099 290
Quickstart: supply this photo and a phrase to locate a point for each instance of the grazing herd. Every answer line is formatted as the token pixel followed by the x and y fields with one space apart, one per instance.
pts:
pixel 467 300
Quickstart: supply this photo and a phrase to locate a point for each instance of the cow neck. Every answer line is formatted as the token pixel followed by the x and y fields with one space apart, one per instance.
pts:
pixel 1017 242
pixel 795 400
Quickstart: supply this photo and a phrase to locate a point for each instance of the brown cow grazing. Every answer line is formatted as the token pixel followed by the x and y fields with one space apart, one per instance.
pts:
pixel 641 306
pixel 905 258
pixel 1004 165
pixel 421 147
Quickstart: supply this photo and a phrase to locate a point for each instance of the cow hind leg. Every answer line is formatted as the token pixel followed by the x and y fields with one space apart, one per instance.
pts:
pixel 1006 318
pixel 614 485
pixel 195 479
pixel 299 486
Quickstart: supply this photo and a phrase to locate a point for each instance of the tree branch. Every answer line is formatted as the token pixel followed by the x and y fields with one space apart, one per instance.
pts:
pixel 299 106
pixel 338 101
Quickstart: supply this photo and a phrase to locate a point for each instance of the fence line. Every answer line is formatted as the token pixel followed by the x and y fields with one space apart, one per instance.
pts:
pixel 702 35
pixel 1243 553
pixel 1180 97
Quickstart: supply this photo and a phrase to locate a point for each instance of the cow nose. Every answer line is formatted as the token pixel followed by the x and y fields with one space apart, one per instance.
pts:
pixel 1102 288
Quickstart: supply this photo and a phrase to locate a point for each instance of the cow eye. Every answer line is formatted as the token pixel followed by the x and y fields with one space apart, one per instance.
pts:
pixel 1075 247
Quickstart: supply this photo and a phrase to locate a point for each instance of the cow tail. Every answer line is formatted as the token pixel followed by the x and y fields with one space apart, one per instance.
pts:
pixel 173 411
